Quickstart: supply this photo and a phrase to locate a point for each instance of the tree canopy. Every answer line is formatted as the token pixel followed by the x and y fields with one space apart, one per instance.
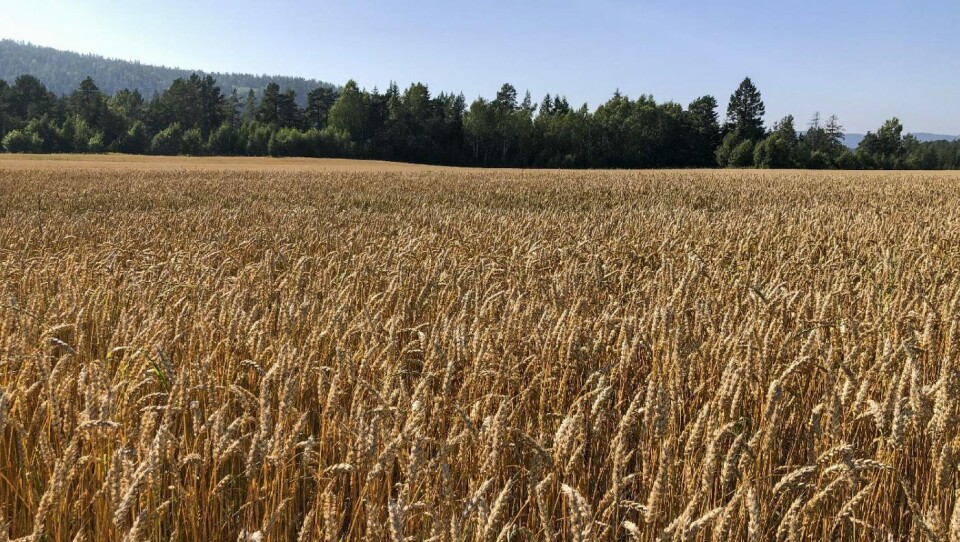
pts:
pixel 745 111
pixel 194 116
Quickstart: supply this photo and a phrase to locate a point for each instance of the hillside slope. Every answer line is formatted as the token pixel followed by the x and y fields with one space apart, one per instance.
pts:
pixel 62 71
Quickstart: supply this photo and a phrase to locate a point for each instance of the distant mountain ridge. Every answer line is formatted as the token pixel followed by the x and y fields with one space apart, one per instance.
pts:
pixel 852 140
pixel 62 71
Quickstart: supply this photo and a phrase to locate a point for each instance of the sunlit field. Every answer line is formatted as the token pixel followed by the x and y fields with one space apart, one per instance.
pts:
pixel 221 349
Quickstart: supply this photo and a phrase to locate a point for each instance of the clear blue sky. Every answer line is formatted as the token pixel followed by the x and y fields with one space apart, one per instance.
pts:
pixel 864 60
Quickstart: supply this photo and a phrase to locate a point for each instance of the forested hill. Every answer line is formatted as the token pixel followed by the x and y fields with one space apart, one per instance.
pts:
pixel 56 102
pixel 62 71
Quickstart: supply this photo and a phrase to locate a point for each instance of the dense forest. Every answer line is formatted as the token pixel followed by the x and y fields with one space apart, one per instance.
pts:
pixel 193 116
pixel 62 71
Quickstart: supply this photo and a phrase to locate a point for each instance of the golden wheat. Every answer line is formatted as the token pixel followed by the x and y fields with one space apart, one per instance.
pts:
pixel 271 350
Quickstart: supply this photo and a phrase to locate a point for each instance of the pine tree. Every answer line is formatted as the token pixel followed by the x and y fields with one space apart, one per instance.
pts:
pixel 233 109
pixel 319 102
pixel 250 107
pixel 268 110
pixel 835 131
pixel 288 114
pixel 745 111
pixel 88 102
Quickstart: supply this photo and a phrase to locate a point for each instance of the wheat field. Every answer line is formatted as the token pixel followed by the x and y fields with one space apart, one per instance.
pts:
pixel 201 350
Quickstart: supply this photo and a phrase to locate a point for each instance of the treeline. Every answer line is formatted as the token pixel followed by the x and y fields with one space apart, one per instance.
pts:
pixel 194 117
pixel 62 71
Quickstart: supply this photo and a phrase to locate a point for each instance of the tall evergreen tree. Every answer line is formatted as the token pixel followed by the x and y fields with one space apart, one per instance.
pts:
pixel 88 102
pixel 506 100
pixel 319 102
pixel 745 111
pixel 250 107
pixel 6 104
pixel 288 113
pixel 268 112
pixel 213 104
pixel 233 109
pixel 30 99
pixel 835 131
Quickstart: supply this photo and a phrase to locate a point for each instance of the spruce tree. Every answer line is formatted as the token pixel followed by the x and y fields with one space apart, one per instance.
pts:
pixel 745 111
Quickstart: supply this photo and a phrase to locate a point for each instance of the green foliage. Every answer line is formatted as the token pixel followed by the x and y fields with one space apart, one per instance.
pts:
pixel 745 111
pixel 193 102
pixel 703 131
pixel 779 149
pixel 501 131
pixel 885 148
pixel 729 143
pixel 847 160
pixel 287 142
pixel 268 110
pixel 786 131
pixel 821 146
pixel 128 105
pixel 773 153
pixel 30 99
pixel 168 141
pixel 741 155
pixel 293 142
pixel 22 142
pixel 191 144
pixel 88 104
pixel 222 141
pixel 563 134
pixel 95 143
pixel 256 138
pixel 135 140
pixel 338 142
pixel 193 116
pixel 349 113
pixel 63 70
pixel 319 102
pixel 45 130
pixel 75 135
pixel 818 160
